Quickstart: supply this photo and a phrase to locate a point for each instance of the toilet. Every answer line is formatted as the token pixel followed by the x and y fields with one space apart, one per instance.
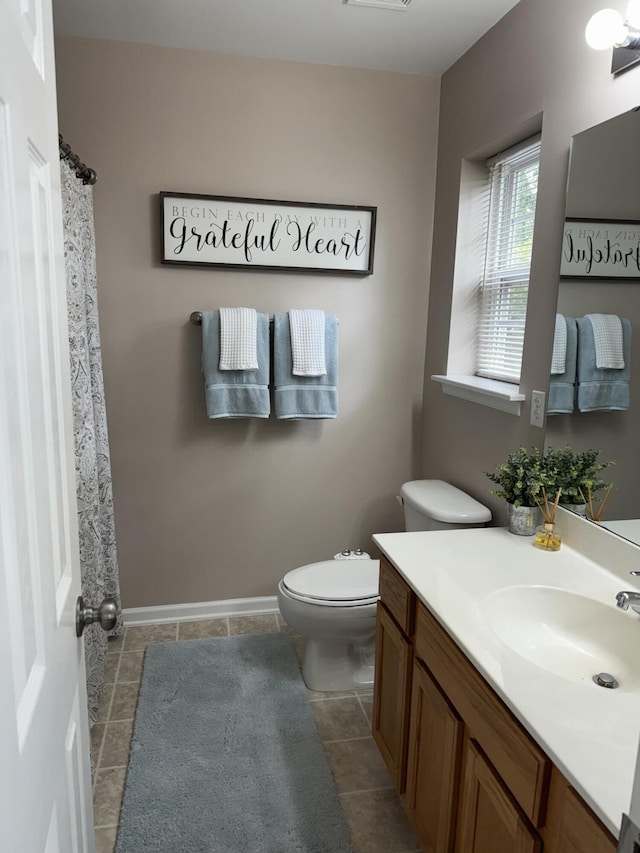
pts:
pixel 332 604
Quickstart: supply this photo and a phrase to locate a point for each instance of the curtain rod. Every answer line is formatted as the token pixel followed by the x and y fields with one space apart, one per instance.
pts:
pixel 87 175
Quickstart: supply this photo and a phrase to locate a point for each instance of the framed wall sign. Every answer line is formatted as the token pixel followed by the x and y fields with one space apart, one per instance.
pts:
pixel 601 249
pixel 252 233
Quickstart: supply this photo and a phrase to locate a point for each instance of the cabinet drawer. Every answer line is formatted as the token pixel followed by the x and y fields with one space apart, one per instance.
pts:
pixel 524 768
pixel 397 596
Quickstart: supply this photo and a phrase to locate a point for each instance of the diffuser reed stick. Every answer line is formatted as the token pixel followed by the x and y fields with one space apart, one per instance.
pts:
pixel 548 510
pixel 595 512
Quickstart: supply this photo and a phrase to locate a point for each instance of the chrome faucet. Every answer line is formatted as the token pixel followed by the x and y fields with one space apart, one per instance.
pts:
pixel 628 598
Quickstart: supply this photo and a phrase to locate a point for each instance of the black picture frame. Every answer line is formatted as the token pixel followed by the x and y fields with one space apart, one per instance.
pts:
pixel 600 249
pixel 242 233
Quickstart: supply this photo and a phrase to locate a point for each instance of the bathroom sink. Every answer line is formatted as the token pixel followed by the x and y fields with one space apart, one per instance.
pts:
pixel 567 634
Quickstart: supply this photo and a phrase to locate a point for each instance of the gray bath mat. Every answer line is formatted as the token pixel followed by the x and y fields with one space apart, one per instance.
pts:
pixel 225 756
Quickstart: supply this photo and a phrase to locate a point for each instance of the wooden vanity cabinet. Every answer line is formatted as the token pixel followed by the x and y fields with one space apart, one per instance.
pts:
pixel 392 684
pixel 473 779
pixel 518 761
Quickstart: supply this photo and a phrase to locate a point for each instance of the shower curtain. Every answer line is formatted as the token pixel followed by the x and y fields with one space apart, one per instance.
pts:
pixel 98 559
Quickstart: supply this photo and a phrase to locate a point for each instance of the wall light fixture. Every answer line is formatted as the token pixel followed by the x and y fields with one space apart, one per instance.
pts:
pixel 607 28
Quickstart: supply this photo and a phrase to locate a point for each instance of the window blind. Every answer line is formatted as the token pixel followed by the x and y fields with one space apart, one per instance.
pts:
pixel 513 187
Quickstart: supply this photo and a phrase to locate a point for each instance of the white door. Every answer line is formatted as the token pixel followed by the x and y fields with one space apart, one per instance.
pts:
pixel 45 780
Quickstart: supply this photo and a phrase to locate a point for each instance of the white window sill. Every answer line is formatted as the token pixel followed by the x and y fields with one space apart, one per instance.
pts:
pixel 503 396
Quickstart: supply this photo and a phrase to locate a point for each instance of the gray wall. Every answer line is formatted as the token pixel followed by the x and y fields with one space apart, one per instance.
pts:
pixel 534 61
pixel 209 510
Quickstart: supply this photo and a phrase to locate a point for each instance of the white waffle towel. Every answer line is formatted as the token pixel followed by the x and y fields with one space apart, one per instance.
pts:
pixel 607 338
pixel 238 336
pixel 307 342
pixel 559 357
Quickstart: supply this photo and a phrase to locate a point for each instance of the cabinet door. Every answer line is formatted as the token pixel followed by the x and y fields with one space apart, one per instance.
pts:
pixel 581 830
pixel 391 695
pixel 573 828
pixel 433 768
pixel 489 820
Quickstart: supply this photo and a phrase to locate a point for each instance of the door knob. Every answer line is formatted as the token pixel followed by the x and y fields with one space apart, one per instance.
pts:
pixel 106 615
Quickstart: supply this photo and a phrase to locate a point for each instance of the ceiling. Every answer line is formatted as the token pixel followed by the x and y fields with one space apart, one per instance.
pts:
pixel 426 38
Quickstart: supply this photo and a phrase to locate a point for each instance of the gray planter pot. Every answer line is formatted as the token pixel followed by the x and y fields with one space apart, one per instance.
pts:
pixel 579 509
pixel 523 520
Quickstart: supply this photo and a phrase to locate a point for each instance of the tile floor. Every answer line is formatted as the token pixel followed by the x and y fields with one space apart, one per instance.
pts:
pixel 372 808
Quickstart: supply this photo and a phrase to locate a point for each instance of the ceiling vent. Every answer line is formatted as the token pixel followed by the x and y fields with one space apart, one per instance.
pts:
pixel 397 5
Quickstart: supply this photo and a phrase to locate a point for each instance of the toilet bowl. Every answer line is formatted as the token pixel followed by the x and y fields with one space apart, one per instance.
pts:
pixel 332 604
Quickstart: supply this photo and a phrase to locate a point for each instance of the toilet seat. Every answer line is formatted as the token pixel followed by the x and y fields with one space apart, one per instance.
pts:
pixel 334 583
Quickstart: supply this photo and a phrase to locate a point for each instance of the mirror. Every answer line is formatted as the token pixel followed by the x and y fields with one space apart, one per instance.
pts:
pixel 604 186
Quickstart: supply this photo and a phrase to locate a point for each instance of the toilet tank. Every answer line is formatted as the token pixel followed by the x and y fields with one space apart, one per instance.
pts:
pixel 437 505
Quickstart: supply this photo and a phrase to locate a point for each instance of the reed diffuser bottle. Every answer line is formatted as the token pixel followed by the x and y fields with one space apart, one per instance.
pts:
pixel 546 537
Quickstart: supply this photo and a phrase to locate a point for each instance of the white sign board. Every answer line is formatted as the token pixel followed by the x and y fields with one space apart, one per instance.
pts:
pixel 246 233
pixel 600 249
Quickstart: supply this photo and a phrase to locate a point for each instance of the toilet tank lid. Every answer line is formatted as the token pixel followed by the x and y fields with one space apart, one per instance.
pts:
pixel 445 503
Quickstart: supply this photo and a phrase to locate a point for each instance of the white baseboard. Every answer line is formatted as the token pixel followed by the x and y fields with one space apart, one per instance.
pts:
pixel 133 616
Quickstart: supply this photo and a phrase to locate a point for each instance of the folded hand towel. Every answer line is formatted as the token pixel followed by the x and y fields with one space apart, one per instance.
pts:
pixel 235 393
pixel 307 342
pixel 238 339
pixel 302 397
pixel 607 336
pixel 602 389
pixel 562 386
pixel 558 359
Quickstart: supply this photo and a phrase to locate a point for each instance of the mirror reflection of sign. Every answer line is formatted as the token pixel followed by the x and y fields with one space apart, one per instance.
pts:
pixel 601 249
pixel 265 234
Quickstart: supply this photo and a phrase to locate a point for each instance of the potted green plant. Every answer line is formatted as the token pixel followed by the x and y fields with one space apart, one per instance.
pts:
pixel 520 480
pixel 576 474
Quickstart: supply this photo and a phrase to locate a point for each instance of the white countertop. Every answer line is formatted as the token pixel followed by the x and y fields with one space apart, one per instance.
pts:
pixel 589 732
pixel 627 527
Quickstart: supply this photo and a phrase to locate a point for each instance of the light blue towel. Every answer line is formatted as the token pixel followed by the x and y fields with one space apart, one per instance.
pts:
pixel 302 397
pixel 234 393
pixel 562 386
pixel 602 389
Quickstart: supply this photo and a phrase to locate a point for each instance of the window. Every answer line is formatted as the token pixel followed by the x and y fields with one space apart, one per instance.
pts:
pixel 513 186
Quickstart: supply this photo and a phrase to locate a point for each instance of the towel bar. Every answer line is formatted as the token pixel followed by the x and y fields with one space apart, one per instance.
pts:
pixel 195 318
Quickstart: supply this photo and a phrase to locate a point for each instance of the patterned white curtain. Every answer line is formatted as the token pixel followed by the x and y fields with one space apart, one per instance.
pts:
pixel 98 559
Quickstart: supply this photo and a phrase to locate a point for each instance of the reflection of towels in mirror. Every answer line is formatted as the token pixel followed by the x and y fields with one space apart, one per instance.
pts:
pixel 559 357
pixel 602 389
pixel 563 367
